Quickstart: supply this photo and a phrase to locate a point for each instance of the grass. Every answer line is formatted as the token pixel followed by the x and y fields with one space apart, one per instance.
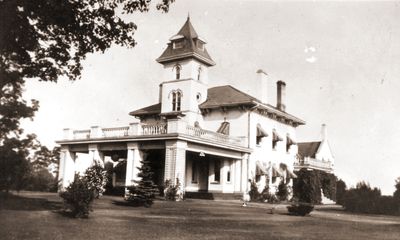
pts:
pixel 30 215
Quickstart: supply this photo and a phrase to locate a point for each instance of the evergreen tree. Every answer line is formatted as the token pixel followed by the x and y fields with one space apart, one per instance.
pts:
pixel 144 190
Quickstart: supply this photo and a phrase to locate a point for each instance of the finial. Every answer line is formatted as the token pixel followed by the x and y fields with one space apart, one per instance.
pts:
pixel 188 18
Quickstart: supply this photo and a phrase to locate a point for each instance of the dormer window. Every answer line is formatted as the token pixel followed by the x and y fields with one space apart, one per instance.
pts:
pixel 177 44
pixel 176 100
pixel 177 71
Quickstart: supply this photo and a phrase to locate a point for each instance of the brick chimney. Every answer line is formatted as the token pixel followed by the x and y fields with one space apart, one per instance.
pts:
pixel 262 86
pixel 324 132
pixel 280 97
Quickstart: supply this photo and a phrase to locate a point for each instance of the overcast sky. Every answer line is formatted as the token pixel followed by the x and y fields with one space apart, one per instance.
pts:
pixel 340 61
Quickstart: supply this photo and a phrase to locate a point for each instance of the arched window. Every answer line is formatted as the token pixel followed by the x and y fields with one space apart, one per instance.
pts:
pixel 178 69
pixel 199 73
pixel 176 100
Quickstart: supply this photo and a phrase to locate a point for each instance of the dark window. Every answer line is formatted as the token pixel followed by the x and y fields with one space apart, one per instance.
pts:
pixel 174 101
pixel 178 44
pixel 178 71
pixel 194 172
pixel 217 170
pixel 258 139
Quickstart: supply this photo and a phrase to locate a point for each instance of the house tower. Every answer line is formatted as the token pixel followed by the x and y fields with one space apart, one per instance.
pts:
pixel 186 62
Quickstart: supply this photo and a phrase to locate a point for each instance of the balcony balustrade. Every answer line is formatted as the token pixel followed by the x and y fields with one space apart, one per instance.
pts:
pixel 138 129
pixel 313 164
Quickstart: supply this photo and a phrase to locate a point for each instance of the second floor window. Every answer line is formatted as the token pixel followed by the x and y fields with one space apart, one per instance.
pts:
pixel 176 101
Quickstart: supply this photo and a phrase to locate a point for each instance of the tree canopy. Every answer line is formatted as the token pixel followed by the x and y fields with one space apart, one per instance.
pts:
pixel 47 39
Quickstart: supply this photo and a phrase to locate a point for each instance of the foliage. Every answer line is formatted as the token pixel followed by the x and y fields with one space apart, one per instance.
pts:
pixel 365 199
pixel 282 192
pixel 96 178
pixel 42 180
pixel 396 194
pixel 44 40
pixel 306 187
pixel 15 167
pixel 78 197
pixel 328 184
pixel 46 158
pixel 171 190
pixel 109 167
pixel 254 194
pixel 340 191
pixel 144 190
pixel 300 209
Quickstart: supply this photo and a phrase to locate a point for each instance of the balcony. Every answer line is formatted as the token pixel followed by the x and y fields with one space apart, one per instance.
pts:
pixel 311 163
pixel 137 130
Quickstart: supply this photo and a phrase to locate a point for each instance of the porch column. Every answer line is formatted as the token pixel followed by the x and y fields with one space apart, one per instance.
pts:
pixel 175 161
pixel 95 155
pixel 245 172
pixel 238 173
pixel 133 161
pixel 66 172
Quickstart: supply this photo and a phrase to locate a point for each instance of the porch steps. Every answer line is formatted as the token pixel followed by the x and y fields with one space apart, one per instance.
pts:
pixel 214 196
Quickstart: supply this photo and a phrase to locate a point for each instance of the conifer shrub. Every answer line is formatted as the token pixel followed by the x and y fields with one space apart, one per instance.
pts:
pixel 78 197
pixel 144 191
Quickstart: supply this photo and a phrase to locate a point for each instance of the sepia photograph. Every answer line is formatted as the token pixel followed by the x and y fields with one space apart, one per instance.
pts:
pixel 189 119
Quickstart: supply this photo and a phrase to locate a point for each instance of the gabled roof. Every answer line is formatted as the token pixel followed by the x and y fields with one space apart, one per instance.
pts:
pixel 154 109
pixel 308 149
pixel 189 48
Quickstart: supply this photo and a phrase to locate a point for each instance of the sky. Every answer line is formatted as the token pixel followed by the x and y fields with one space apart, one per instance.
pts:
pixel 340 62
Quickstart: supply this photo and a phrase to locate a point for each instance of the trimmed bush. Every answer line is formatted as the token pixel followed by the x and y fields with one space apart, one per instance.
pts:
pixel 254 194
pixel 340 191
pixel 306 187
pixel 300 209
pixel 78 197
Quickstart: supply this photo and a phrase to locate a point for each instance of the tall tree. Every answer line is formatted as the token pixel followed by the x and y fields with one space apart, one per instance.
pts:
pixel 46 39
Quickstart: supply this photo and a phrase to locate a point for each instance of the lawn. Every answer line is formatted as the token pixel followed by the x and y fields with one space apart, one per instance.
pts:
pixel 30 215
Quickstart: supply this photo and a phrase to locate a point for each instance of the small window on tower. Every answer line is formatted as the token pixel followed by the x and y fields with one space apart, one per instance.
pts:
pixel 178 71
pixel 199 73
pixel 200 44
pixel 176 100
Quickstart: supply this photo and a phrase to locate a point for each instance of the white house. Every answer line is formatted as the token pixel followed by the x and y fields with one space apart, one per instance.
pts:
pixel 212 139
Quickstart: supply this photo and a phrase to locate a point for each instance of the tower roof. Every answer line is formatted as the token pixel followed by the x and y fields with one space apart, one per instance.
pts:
pixel 186 44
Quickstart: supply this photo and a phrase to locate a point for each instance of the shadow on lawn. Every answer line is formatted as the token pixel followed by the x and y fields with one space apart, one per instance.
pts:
pixel 14 202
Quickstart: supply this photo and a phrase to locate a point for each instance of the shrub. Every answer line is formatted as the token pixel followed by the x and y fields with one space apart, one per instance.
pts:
pixel 300 209
pixel 144 192
pixel 96 178
pixel 78 197
pixel 254 194
pixel 340 191
pixel 171 190
pixel 362 199
pixel 282 192
pixel 42 180
pixel 396 194
pixel 306 187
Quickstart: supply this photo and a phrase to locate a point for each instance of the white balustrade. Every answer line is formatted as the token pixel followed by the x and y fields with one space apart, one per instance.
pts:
pixel 138 129
pixel 213 136
pixel 81 134
pixel 115 132
pixel 308 162
pixel 154 129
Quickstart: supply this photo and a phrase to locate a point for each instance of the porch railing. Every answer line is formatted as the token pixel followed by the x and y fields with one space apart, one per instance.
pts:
pixel 213 136
pixel 313 163
pixel 138 129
